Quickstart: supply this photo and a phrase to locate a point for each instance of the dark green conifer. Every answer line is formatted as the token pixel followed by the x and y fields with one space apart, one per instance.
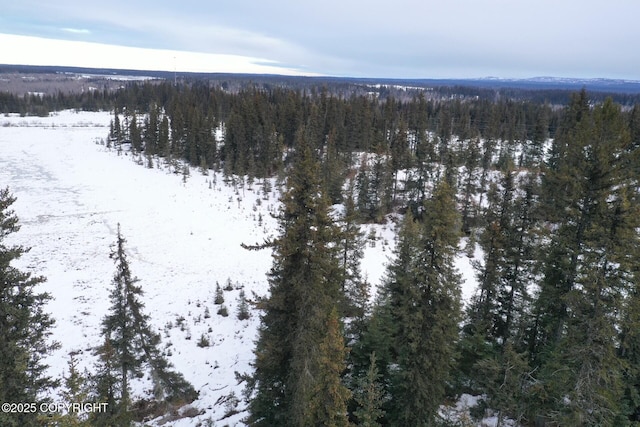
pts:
pixel 130 345
pixel 291 363
pixel 134 134
pixel 76 389
pixel 589 269
pixel 422 293
pixel 328 405
pixel 243 307
pixel 369 396
pixel 24 327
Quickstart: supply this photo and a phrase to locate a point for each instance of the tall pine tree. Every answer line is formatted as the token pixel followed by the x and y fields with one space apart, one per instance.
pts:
pixel 298 349
pixel 591 264
pixel 422 293
pixel 131 346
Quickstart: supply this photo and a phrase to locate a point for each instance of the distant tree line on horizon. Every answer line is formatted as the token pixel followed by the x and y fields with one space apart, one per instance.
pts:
pixel 103 96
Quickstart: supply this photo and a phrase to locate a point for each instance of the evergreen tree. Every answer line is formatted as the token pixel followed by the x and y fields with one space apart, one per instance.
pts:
pixel 498 312
pixel 333 169
pixel 163 137
pixel 24 326
pixel 107 387
pixel 469 183
pixel 219 296
pixel 505 381
pixel 354 287
pixel 534 150
pixel 131 345
pixel 76 390
pixel 592 259
pixel 630 350
pixel 400 154
pixel 134 134
pixel 115 130
pixel 243 307
pixel 296 352
pixel 422 292
pixel 328 405
pixel 118 326
pixel 150 131
pixel 363 186
pixel 370 396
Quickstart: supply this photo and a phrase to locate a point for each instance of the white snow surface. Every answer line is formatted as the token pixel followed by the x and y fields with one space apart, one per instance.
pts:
pixel 182 239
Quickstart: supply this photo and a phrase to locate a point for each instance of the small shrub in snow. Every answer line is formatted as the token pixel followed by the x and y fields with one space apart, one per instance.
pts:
pixel 203 341
pixel 219 298
pixel 231 405
pixel 243 307
pixel 223 311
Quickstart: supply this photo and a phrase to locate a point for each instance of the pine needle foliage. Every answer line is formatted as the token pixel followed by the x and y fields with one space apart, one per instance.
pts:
pixel 422 296
pixel 131 346
pixel 297 352
pixel 24 326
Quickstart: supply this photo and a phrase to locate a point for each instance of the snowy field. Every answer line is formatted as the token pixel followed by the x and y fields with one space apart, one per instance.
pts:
pixel 182 239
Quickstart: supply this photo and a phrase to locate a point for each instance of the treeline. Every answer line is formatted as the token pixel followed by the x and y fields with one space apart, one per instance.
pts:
pixel 251 133
pixel 42 105
pixel 40 102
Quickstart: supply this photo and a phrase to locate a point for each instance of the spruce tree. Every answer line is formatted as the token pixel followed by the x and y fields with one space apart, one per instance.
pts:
pixel 130 346
pixel 630 350
pixel 369 396
pixel 351 253
pixel 115 130
pixel 24 326
pixel 422 292
pixel 107 386
pixel 164 149
pixel 498 311
pixel 400 155
pixel 243 307
pixel 119 327
pixel 76 390
pixel 150 131
pixel 296 352
pixel 134 134
pixel 328 405
pixel 469 183
pixel 590 268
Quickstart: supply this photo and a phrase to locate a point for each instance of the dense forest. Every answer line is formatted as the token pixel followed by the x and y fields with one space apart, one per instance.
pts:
pixel 547 193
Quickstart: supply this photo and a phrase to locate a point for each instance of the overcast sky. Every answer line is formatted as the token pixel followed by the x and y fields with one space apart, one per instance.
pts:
pixel 373 38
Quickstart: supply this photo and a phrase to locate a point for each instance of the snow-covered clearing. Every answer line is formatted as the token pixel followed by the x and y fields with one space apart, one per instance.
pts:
pixel 182 239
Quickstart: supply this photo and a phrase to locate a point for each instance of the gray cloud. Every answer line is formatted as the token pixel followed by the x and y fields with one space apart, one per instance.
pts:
pixel 403 38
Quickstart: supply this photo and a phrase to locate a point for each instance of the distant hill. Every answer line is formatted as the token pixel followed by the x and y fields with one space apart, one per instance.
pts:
pixel 534 83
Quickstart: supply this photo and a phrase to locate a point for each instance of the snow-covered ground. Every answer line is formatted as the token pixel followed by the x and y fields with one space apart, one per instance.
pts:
pixel 183 238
